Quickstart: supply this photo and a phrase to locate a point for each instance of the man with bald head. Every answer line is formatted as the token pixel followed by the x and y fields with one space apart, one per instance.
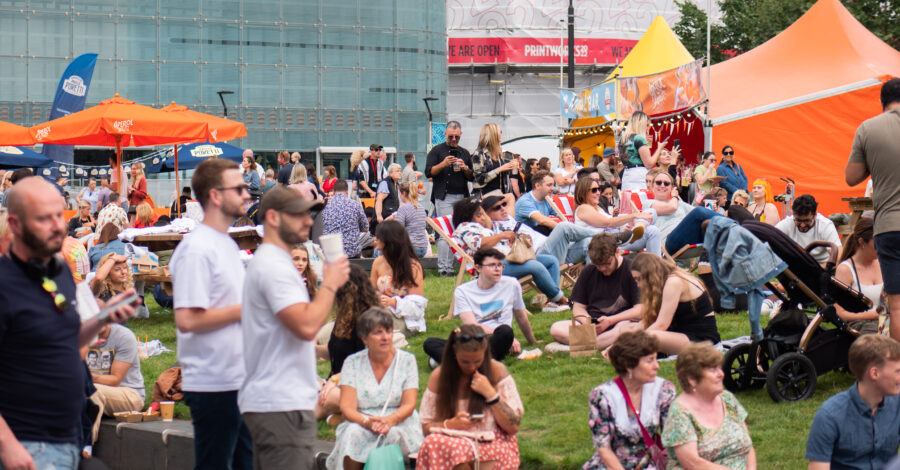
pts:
pixel 41 375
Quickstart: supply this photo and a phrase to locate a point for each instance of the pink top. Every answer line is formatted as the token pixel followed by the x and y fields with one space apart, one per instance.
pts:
pixel 508 393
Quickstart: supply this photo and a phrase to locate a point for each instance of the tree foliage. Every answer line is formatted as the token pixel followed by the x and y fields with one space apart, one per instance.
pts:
pixel 746 24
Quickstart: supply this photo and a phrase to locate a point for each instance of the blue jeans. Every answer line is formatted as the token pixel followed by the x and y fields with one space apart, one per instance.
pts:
pixel 421 251
pixel 651 241
pixel 51 455
pixel 568 243
pixel 445 207
pixel 545 271
pixel 221 440
pixel 688 231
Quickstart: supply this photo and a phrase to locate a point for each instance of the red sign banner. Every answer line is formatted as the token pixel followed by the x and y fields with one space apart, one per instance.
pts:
pixel 535 51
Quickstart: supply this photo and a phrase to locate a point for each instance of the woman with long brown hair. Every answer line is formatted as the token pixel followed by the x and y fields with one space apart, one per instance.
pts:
pixel 473 393
pixel 859 268
pixel 491 173
pixel 399 278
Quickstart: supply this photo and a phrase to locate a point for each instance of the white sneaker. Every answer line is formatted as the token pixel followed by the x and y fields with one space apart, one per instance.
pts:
pixel 767 307
pixel 553 307
pixel 555 347
pixel 432 363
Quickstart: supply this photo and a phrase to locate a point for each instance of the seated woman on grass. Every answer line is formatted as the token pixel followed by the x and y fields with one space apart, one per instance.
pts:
pixel 112 278
pixel 677 309
pixel 616 425
pixel 399 278
pixel 473 393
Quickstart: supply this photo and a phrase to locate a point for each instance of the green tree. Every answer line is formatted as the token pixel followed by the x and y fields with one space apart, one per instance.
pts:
pixel 746 24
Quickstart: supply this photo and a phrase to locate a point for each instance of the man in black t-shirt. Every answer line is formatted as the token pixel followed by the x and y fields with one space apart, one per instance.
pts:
pixel 450 168
pixel 605 292
pixel 284 174
pixel 41 375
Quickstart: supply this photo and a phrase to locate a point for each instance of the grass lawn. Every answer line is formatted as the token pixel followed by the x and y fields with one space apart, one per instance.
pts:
pixel 555 388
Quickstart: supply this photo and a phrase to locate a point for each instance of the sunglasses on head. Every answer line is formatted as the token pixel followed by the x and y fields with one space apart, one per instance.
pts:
pixel 466 337
pixel 662 183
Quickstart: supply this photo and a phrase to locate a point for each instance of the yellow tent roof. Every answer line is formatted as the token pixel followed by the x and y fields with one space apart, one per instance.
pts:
pixel 657 51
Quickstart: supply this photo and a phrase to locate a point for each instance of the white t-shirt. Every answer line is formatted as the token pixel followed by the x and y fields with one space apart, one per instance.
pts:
pixel 492 307
pixel 823 230
pixel 281 368
pixel 565 188
pixel 207 273
pixel 537 238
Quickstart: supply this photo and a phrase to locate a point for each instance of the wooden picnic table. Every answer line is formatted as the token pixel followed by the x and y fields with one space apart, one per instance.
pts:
pixel 246 240
pixel 857 206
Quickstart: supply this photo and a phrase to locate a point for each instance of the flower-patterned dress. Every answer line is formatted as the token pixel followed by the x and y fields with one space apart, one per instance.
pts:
pixel 615 427
pixel 728 445
pixel 443 452
pixel 355 441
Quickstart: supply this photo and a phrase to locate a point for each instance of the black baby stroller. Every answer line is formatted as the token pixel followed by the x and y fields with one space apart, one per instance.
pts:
pixel 795 348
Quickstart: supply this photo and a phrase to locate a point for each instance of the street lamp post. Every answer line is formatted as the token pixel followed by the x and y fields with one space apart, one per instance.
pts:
pixel 221 94
pixel 427 99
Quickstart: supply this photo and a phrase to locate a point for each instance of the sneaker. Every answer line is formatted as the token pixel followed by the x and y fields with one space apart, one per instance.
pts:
pixel 447 274
pixel 622 237
pixel 767 307
pixel 538 300
pixel 321 458
pixel 432 363
pixel 553 307
pixel 555 347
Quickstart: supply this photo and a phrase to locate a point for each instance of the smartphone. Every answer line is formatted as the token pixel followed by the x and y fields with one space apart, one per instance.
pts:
pixel 676 143
pixel 104 314
pixel 517 227
pixel 477 417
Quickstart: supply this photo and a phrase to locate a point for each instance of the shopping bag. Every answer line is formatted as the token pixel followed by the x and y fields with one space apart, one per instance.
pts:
pixel 385 458
pixel 582 339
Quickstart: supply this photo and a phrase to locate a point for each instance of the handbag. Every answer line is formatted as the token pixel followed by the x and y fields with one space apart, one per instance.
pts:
pixel 582 339
pixel 522 248
pixel 654 446
pixel 389 457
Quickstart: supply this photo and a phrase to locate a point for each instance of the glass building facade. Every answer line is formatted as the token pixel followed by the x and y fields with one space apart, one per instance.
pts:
pixel 305 73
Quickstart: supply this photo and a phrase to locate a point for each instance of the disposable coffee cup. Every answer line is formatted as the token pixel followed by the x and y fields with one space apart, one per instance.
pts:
pixel 167 410
pixel 332 246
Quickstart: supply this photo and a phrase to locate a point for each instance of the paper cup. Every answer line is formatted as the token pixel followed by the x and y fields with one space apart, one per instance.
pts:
pixel 167 410
pixel 332 246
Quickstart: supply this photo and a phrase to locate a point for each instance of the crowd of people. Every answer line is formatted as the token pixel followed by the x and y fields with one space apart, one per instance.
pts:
pixel 249 332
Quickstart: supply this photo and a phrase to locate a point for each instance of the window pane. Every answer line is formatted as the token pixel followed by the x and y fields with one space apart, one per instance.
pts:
pixel 13 37
pixel 300 11
pixel 103 83
pixel 95 34
pixel 221 9
pixel 221 77
pixel 14 80
pixel 43 78
pixel 262 86
pixel 262 10
pixel 339 139
pixel 301 87
pixel 301 45
pixel 411 53
pixel 221 42
pixel 377 14
pixel 137 39
pixel 301 140
pixel 179 83
pixel 340 12
pixel 92 6
pixel 179 8
pixel 263 139
pixel 138 81
pixel 377 90
pixel 377 48
pixel 339 88
pixel 179 40
pixel 411 14
pixel 340 48
pixel 136 7
pixel 411 88
pixel 262 45
pixel 49 35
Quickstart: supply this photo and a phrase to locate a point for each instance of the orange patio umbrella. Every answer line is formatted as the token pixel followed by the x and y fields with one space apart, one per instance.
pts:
pixel 11 134
pixel 218 130
pixel 118 122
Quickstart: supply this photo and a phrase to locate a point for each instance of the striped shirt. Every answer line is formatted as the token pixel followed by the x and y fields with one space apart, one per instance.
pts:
pixel 414 221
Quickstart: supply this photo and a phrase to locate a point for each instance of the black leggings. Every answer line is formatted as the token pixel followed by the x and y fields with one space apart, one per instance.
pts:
pixel 501 341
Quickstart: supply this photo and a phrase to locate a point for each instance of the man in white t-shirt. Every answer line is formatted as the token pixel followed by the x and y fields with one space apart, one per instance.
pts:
pixel 280 325
pixel 208 279
pixel 491 301
pixel 807 226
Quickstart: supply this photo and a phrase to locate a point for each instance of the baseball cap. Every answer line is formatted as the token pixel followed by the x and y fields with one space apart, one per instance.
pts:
pixel 375 147
pixel 608 152
pixel 490 201
pixel 287 200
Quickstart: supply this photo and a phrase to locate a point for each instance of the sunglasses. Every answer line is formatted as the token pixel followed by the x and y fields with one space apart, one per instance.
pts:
pixel 453 137
pixel 662 183
pixel 595 190
pixel 727 153
pixel 465 337
pixel 502 205
pixel 240 189
pixel 59 300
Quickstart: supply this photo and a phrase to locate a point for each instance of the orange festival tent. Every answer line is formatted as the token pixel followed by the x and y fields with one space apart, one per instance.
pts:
pixel 11 134
pixel 791 106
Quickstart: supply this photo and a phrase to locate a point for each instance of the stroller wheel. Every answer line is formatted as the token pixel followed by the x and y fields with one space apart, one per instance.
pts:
pixel 792 377
pixel 739 367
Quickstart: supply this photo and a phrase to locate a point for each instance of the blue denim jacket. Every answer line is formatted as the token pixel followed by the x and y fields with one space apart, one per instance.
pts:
pixel 736 179
pixel 740 264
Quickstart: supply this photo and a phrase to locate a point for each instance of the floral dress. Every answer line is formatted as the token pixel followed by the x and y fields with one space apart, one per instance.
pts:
pixel 728 445
pixel 443 452
pixel 613 426
pixel 355 441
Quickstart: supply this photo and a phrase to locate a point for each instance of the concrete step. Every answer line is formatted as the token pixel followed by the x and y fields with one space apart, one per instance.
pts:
pixel 153 445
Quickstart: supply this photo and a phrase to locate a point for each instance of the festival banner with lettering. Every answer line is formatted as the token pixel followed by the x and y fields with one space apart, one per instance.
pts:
pixel 661 93
pixel 535 50
pixel 70 96
pixel 591 102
